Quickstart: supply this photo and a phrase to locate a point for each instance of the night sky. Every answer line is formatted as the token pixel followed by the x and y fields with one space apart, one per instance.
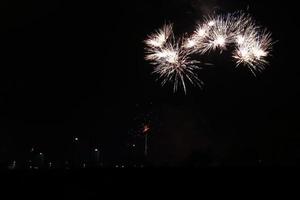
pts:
pixel 76 69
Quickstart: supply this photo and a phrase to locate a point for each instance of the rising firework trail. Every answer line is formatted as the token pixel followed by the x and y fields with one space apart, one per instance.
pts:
pixel 146 133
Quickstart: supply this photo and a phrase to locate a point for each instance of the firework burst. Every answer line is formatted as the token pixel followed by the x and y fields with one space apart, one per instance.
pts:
pixel 173 64
pixel 160 38
pixel 222 30
pixel 252 50
pixel 195 42
pixel 236 31
pixel 218 36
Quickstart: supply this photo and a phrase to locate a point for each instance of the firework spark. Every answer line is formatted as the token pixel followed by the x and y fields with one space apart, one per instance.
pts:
pixel 196 41
pixel 222 30
pixel 237 30
pixel 253 50
pixel 173 64
pixel 160 38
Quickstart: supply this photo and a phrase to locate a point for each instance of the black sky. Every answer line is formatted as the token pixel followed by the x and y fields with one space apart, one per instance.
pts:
pixel 74 68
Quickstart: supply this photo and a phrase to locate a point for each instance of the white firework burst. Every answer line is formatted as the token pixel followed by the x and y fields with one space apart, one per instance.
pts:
pixel 160 37
pixel 219 33
pixel 173 64
pixel 195 41
pixel 253 49
pixel 223 30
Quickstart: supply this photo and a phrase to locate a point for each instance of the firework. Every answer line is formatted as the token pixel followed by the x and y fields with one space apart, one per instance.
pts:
pixel 218 36
pixel 173 61
pixel 196 41
pixel 176 66
pixel 252 50
pixel 173 64
pixel 223 30
pixel 160 38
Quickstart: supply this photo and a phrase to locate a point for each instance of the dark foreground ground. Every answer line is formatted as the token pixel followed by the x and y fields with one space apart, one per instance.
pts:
pixel 126 183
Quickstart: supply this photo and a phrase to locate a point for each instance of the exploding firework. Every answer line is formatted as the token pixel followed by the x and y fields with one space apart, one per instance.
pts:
pixel 173 61
pixel 173 64
pixel 218 35
pixel 223 30
pixel 195 42
pixel 160 38
pixel 252 50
